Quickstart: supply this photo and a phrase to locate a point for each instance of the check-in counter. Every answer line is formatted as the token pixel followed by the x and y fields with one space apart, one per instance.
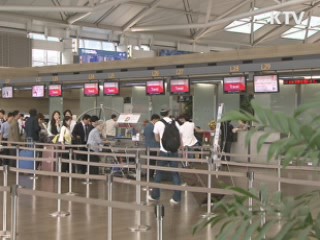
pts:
pixel 240 148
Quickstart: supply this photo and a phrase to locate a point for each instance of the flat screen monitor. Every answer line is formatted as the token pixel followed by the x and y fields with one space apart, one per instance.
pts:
pixel 38 91
pixel 155 87
pixel 55 90
pixel 7 92
pixel 91 89
pixel 234 84
pixel 266 84
pixel 180 87
pixel 111 89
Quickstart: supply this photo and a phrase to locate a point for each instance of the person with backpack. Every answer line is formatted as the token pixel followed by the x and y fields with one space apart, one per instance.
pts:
pixel 167 132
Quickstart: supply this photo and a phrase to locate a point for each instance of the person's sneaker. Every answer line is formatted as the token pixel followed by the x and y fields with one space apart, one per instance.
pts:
pixel 173 202
pixel 150 198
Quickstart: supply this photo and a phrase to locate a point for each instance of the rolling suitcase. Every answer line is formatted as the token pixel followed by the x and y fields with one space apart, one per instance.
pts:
pixel 24 163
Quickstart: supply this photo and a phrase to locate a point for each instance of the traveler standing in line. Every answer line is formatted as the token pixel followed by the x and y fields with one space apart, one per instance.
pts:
pixel 95 142
pixel 159 130
pixel 54 124
pixel 226 139
pixel 110 128
pixel 187 133
pixel 73 122
pixel 2 115
pixel 80 135
pixel 65 140
pixel 32 128
pixel 14 135
pixel 4 135
pixel 150 141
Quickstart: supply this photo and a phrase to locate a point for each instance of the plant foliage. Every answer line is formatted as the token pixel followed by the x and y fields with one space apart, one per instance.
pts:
pixel 274 216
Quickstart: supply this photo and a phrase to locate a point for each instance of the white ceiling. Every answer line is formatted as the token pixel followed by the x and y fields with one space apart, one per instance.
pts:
pixel 199 24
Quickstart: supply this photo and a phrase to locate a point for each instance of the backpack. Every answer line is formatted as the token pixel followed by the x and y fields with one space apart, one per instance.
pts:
pixel 171 137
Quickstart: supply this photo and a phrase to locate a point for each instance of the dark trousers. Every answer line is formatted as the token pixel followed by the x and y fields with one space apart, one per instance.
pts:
pixel 152 163
pixel 227 149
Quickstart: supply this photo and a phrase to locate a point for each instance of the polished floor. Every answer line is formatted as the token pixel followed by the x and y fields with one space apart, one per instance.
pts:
pixel 90 222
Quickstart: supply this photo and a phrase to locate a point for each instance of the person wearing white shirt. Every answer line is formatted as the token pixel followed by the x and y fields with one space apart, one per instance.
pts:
pixel 110 127
pixel 187 134
pixel 158 132
pixel 65 140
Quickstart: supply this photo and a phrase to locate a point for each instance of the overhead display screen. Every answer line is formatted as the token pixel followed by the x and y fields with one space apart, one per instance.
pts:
pixel 266 84
pixel 155 87
pixel 234 84
pixel 111 88
pixel 38 91
pixel 7 92
pixel 91 89
pixel 179 86
pixel 55 90
pixel 301 81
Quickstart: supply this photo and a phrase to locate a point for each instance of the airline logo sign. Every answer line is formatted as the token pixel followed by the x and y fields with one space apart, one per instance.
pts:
pixel 285 17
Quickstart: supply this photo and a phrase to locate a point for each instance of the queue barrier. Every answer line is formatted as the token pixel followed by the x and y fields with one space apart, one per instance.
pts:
pixel 138 166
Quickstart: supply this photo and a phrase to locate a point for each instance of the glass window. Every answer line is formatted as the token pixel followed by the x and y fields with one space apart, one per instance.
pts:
pixel 44 57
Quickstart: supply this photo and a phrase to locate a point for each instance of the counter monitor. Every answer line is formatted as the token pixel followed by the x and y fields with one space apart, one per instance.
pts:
pixel 91 89
pixel 180 86
pixel 7 92
pixel 111 89
pixel 234 84
pixel 38 91
pixel 55 90
pixel 265 83
pixel 155 87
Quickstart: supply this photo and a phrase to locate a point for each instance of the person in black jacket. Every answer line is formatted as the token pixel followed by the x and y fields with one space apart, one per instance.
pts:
pixel 32 130
pixel 80 135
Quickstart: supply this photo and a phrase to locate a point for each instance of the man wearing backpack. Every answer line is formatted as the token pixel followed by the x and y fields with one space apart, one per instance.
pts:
pixel 167 132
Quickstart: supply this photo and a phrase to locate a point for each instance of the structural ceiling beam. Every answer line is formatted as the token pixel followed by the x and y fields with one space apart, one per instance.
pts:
pixel 221 21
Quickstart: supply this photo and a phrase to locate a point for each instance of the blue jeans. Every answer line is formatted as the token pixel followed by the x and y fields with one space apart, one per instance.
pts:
pixel 175 176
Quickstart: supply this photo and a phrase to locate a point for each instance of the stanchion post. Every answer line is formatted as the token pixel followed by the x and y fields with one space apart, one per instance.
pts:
pixel 250 176
pixel 17 163
pixel 109 185
pixel 279 175
pixel 70 172
pixel 159 211
pixel 14 210
pixel 209 196
pixel 262 210
pixel 87 181
pixel 34 161
pixel 4 233
pixel 138 227
pixel 59 213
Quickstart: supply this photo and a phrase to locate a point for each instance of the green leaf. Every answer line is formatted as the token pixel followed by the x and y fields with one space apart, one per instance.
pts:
pixel 262 139
pixel 243 192
pixel 294 128
pixel 252 229
pixel 306 107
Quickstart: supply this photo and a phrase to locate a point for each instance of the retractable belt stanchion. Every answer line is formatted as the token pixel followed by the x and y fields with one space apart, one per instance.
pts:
pixel 87 181
pixel 250 176
pixel 17 164
pixel 14 211
pixel 159 211
pixel 109 185
pixel 138 227
pixel 70 171
pixel 4 233
pixel 59 213
pixel 262 210
pixel 34 177
pixel 147 189
pixel 209 196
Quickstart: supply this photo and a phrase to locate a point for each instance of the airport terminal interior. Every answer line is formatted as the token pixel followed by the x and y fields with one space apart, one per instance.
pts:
pixel 198 60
